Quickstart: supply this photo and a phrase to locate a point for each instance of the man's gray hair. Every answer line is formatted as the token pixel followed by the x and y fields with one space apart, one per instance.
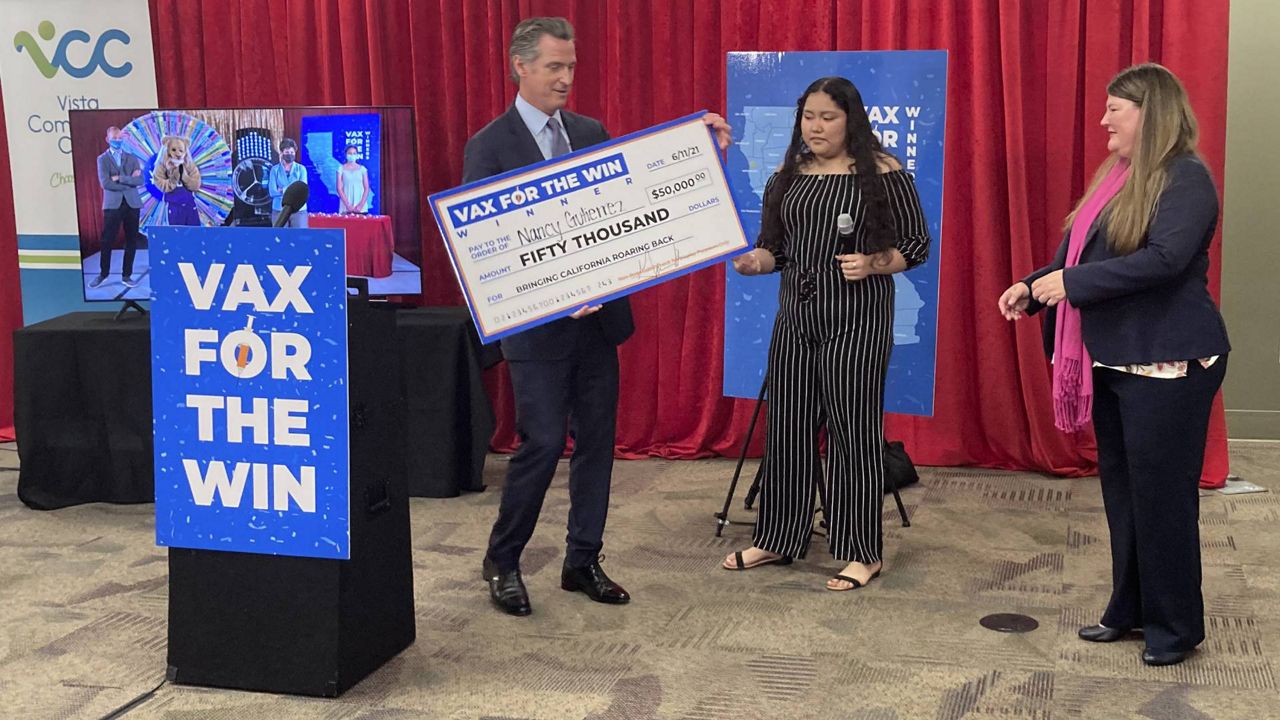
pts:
pixel 524 41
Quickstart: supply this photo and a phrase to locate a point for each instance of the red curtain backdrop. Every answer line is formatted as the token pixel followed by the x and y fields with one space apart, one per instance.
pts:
pixel 1025 91
pixel 10 295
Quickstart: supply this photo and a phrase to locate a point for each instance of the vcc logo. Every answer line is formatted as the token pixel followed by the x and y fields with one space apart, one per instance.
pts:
pixel 23 41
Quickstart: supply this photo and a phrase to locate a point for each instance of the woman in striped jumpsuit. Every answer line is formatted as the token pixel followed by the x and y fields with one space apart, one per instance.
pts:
pixel 834 330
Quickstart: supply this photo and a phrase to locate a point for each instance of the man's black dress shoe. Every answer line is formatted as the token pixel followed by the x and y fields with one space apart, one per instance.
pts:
pixel 1100 633
pixel 591 580
pixel 1164 657
pixel 507 589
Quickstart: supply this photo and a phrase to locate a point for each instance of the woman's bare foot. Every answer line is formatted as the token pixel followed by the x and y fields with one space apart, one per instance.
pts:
pixel 751 557
pixel 858 571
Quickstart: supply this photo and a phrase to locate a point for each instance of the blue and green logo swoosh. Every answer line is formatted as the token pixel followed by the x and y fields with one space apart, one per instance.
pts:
pixel 49 67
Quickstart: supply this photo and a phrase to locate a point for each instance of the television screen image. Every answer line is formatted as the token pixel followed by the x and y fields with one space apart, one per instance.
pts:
pixel 139 169
pixel 325 142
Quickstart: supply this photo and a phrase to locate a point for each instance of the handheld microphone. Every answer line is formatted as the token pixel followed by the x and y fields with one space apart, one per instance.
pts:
pixel 295 196
pixel 844 224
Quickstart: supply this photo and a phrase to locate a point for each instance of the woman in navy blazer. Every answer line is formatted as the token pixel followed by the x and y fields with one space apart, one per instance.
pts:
pixel 1156 348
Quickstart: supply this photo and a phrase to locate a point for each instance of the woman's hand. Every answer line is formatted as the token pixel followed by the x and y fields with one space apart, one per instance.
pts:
pixel 585 310
pixel 1050 289
pixel 755 262
pixel 1013 302
pixel 855 266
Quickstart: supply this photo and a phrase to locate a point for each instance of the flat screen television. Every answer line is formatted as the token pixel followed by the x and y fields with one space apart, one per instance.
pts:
pixel 141 168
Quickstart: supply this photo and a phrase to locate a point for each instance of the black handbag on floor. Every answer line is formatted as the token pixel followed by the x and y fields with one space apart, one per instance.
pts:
pixel 899 471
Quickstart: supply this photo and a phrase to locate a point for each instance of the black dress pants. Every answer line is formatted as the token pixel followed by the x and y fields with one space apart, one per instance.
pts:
pixel 1151 437
pixel 582 391
pixel 112 220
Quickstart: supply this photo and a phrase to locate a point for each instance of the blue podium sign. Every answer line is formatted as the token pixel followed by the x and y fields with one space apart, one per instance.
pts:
pixel 905 95
pixel 249 390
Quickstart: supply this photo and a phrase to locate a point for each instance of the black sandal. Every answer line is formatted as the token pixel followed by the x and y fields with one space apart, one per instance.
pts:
pixel 856 583
pixel 737 559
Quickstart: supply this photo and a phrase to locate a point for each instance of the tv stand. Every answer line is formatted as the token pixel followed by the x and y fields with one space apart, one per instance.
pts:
pixel 125 308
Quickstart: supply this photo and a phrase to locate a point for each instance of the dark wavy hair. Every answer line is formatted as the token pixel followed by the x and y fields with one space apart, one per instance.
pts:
pixel 861 144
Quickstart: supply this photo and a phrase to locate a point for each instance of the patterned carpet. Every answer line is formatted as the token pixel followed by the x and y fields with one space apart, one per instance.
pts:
pixel 83 603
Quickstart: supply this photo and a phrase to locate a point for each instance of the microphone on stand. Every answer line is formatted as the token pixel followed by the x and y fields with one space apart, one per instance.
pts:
pixel 844 224
pixel 295 196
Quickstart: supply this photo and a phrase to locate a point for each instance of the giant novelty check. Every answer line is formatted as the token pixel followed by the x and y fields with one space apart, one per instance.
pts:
pixel 539 242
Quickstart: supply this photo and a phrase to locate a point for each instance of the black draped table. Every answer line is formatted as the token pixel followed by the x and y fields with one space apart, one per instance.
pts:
pixel 448 417
pixel 82 406
pixel 82 410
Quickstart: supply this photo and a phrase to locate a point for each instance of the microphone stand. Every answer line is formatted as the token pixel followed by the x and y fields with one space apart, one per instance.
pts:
pixel 722 517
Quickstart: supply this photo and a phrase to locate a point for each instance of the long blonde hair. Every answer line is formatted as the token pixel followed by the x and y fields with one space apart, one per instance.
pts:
pixel 1168 130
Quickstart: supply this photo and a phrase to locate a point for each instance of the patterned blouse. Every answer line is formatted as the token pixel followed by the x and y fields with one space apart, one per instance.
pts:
pixel 1163 370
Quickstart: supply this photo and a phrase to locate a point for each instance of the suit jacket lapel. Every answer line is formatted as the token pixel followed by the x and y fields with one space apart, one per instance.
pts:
pixel 1094 230
pixel 526 147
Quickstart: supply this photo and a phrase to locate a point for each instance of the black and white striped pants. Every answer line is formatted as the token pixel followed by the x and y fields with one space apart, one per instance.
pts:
pixel 838 381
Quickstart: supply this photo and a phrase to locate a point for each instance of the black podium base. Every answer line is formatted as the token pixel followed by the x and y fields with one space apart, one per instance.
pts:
pixel 300 626
pixel 308 626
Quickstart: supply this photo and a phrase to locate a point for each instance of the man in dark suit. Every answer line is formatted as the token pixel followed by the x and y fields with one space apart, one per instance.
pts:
pixel 120 175
pixel 564 372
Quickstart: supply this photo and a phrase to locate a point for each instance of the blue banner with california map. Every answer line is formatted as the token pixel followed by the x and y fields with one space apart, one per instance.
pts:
pixel 905 94
pixel 323 141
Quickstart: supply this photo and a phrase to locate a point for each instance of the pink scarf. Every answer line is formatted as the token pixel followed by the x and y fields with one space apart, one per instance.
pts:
pixel 1072 366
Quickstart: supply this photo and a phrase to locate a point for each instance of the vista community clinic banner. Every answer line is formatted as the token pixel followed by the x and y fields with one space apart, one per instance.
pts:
pixel 905 96
pixel 57 56
pixel 249 390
